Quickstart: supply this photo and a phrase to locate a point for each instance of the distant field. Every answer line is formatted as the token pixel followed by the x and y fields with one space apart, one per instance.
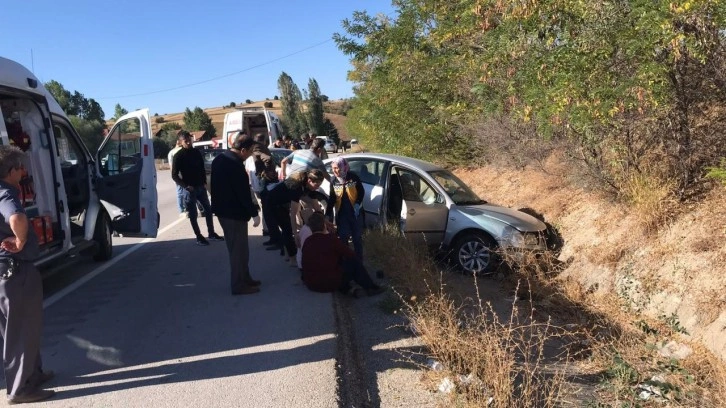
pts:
pixel 217 116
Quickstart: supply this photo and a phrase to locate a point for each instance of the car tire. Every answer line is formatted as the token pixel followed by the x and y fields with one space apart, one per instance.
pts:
pixel 475 254
pixel 102 234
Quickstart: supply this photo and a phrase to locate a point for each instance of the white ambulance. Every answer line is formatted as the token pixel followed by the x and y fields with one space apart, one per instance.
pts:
pixel 252 121
pixel 76 200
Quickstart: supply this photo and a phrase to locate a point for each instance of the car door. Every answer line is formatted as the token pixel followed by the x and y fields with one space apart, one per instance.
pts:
pixel 424 213
pixel 126 181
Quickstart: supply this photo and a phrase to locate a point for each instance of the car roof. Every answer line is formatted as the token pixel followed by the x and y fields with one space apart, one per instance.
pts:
pixel 406 161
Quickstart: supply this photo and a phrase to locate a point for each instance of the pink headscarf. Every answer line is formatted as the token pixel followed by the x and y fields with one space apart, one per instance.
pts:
pixel 343 168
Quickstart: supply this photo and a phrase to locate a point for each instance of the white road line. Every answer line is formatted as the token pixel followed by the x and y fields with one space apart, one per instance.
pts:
pixel 77 284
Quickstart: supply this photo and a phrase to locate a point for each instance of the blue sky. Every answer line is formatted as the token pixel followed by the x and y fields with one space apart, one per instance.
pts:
pixel 133 52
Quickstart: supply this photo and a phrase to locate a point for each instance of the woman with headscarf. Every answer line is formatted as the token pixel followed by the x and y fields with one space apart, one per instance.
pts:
pixel 347 194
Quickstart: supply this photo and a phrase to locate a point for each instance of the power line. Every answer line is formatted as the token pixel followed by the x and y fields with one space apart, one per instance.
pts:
pixel 219 77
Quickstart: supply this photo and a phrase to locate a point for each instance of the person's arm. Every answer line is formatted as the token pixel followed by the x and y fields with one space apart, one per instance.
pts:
pixel 175 171
pixel 19 225
pixel 283 165
pixel 330 208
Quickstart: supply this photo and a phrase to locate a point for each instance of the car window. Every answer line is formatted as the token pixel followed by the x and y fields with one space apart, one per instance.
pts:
pixel 414 187
pixel 122 152
pixel 369 171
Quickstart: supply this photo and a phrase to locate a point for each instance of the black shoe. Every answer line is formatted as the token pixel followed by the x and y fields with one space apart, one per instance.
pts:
pixel 265 233
pixel 246 291
pixel 269 242
pixel 43 378
pixel 202 241
pixel 274 247
pixel 33 396
pixel 253 282
pixel 215 237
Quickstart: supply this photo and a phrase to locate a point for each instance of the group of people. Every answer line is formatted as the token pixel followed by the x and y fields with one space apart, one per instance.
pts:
pixel 245 180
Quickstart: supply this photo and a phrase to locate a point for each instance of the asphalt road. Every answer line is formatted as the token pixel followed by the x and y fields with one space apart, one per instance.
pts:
pixel 156 326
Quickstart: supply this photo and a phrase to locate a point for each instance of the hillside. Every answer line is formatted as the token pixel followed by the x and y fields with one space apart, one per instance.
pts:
pixel 217 116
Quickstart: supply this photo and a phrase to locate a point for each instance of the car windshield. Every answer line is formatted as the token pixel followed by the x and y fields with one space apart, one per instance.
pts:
pixel 459 192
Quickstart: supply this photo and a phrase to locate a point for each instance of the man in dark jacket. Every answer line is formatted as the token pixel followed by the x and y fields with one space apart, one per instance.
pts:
pixel 187 170
pixel 232 204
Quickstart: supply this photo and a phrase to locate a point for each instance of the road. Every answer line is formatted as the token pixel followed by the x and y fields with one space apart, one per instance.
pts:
pixel 157 326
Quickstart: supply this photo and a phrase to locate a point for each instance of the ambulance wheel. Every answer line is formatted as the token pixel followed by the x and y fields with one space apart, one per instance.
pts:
pixel 102 236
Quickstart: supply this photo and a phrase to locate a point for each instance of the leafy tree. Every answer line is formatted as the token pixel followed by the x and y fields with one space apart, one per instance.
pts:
pixel 248 101
pixel 628 85
pixel 90 131
pixel 198 119
pixel 75 104
pixel 276 97
pixel 232 104
pixel 314 114
pixel 292 120
pixel 61 95
pixel 331 131
pixel 118 111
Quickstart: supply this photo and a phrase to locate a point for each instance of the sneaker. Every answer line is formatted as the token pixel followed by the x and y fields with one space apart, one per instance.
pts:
pixel 183 214
pixel 202 241
pixel 215 237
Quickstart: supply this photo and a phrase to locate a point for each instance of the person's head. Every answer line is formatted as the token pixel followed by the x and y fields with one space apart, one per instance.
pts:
pixel 278 142
pixel 260 138
pixel 242 145
pixel 340 167
pixel 316 222
pixel 185 138
pixel 315 178
pixel 11 164
pixel 318 146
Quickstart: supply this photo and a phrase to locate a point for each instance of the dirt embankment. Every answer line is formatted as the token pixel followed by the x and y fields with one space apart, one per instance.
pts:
pixel 675 274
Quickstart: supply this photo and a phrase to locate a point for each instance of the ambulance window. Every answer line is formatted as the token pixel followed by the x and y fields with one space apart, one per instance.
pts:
pixel 122 151
pixel 69 151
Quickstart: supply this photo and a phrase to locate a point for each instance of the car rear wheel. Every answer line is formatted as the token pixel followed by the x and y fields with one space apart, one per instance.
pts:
pixel 102 235
pixel 475 254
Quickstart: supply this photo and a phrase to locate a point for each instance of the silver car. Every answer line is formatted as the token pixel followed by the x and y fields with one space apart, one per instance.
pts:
pixel 430 204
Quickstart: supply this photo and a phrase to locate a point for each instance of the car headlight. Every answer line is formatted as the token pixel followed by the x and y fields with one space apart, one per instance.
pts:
pixel 518 239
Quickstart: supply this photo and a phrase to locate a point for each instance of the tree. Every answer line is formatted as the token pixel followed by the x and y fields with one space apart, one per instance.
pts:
pixel 90 131
pixel 331 131
pixel 232 104
pixel 75 104
pixel 118 111
pixel 315 118
pixel 198 119
pixel 292 120
pixel 61 95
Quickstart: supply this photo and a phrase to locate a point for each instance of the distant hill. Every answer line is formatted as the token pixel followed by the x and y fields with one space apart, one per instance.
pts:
pixel 217 116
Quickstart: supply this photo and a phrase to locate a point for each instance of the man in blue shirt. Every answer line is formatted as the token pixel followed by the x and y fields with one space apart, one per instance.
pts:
pixel 21 289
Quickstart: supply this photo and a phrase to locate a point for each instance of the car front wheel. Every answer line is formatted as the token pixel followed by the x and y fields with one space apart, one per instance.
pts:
pixel 475 254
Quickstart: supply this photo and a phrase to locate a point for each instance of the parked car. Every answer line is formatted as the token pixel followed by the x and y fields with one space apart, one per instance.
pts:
pixel 431 205
pixel 330 146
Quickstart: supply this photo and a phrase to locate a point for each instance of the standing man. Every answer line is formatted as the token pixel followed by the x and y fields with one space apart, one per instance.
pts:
pixel 21 289
pixel 193 179
pixel 232 203
pixel 179 189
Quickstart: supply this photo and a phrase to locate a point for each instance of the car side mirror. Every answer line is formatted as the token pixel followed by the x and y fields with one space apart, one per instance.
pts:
pixel 439 199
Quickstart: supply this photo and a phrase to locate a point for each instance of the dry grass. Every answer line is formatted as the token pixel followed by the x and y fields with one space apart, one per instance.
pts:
pixel 650 198
pixel 493 361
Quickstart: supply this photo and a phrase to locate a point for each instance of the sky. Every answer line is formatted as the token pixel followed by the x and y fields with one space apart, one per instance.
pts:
pixel 171 55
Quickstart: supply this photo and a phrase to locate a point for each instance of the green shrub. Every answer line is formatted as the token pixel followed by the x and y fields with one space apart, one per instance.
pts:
pixel 719 172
